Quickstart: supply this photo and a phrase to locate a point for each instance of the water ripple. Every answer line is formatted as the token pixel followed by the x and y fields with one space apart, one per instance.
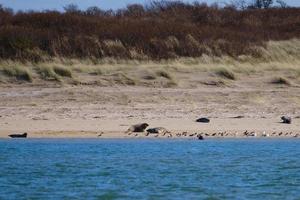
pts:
pixel 149 169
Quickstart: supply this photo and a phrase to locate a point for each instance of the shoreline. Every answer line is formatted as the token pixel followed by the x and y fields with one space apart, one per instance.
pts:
pixel 152 139
pixel 108 137
pixel 179 128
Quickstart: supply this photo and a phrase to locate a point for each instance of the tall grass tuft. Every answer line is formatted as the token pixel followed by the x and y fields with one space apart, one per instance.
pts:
pixel 47 73
pixel 63 71
pixel 20 73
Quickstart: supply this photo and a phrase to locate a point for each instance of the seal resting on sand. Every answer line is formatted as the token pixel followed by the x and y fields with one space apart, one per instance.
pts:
pixel 137 128
pixel 203 120
pixel 24 135
pixel 158 130
pixel 286 120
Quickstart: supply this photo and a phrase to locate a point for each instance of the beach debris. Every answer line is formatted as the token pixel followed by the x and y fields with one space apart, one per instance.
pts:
pixel 184 134
pixel 203 120
pixel 24 135
pixel 280 133
pixel 137 128
pixel 158 130
pixel 286 120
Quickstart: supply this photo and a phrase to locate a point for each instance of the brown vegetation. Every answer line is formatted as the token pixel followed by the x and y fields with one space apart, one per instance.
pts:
pixel 161 30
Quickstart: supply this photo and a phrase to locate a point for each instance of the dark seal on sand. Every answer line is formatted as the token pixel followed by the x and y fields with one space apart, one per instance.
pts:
pixel 24 135
pixel 203 120
pixel 138 127
pixel 286 120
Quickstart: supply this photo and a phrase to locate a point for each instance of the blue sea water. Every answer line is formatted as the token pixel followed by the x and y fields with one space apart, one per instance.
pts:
pixel 149 169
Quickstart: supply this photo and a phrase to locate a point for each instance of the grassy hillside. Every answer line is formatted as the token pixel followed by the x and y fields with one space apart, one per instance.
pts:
pixel 279 64
pixel 162 30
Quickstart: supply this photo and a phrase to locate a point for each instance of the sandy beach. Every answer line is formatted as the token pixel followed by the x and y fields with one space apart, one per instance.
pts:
pixel 248 105
pixel 116 128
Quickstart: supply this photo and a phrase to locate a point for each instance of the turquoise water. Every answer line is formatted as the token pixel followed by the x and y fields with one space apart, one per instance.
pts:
pixel 149 169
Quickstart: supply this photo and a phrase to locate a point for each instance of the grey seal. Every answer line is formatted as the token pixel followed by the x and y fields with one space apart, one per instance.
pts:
pixel 203 120
pixel 137 128
pixel 24 135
